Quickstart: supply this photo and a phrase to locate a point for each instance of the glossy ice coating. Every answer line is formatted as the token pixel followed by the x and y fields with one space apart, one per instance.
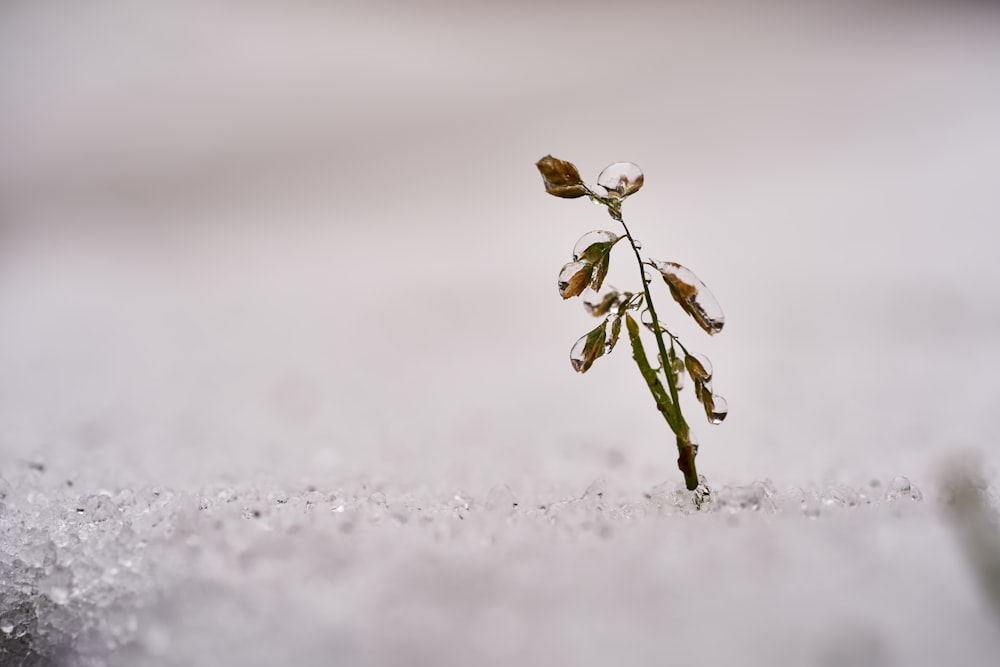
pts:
pixel 621 179
pixel 573 278
pixel 692 295
pixel 598 237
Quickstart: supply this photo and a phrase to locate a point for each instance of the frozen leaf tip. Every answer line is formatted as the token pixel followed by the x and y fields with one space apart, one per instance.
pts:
pixel 691 294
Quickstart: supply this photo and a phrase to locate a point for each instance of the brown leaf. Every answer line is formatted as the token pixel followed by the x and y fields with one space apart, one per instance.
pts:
pixel 561 178
pixel 574 278
pixel 692 295
pixel 698 367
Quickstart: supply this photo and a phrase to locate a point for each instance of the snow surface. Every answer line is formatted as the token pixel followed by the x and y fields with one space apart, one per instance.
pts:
pixel 284 376
pixel 252 573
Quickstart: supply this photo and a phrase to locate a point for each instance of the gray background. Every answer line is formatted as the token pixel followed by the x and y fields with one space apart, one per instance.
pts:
pixel 304 234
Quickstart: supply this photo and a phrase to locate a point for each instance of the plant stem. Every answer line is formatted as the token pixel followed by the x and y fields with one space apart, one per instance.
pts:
pixel 685 449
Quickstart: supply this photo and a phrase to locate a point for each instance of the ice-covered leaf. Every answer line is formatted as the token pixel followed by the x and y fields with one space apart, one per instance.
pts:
pixel 692 295
pixel 587 349
pixel 698 367
pixel 621 179
pixel 600 303
pixel 716 407
pixel 592 246
pixel 561 178
pixel 700 370
pixel 595 247
pixel 574 278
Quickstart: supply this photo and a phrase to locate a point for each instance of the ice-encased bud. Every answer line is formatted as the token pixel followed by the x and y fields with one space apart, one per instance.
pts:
pixel 600 303
pixel 698 367
pixel 561 178
pixel 621 179
pixel 690 292
pixel 587 349
pixel 574 278
pixel 594 245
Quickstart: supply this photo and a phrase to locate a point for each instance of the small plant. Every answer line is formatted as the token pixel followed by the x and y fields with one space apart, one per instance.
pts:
pixel 585 276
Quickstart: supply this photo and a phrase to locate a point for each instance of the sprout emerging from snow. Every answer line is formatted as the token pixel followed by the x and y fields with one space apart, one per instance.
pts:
pixel 584 276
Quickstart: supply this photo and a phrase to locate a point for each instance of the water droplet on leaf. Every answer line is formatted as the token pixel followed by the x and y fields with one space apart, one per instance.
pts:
pixel 646 317
pixel 703 391
pixel 561 178
pixel 692 295
pixel 587 349
pixel 592 246
pixel 621 179
pixel 698 367
pixel 716 409
pixel 574 278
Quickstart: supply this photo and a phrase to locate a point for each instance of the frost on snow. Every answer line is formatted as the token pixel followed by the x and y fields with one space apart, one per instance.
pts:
pixel 256 574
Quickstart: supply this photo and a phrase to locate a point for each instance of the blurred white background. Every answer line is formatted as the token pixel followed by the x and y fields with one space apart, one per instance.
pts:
pixel 308 239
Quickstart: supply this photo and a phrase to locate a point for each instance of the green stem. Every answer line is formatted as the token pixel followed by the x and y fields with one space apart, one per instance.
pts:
pixel 685 450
